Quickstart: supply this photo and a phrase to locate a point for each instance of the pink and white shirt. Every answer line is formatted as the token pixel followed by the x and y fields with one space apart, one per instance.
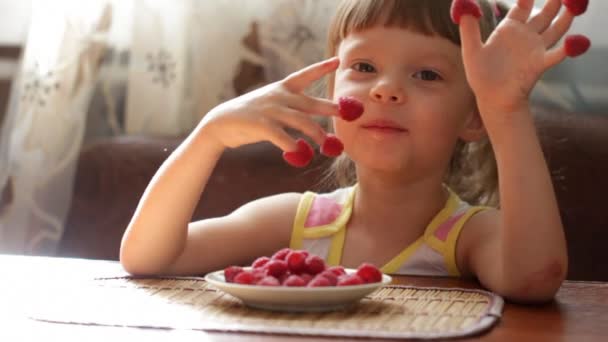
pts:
pixel 320 228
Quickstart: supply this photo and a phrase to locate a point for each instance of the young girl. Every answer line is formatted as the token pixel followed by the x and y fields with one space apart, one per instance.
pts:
pixel 435 96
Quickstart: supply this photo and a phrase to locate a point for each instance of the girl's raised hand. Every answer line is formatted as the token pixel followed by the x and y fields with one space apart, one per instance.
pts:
pixel 263 114
pixel 503 70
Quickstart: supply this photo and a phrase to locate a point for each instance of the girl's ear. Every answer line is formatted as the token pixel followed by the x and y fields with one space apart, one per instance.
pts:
pixel 473 128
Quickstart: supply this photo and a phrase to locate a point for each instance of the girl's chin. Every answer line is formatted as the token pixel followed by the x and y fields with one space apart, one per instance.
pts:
pixel 383 163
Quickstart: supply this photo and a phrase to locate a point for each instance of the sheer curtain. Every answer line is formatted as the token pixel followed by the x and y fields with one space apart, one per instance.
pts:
pixel 89 70
pixel 130 67
pixel 44 125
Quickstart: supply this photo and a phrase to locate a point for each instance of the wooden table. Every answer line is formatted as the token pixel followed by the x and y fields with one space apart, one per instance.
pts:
pixel 579 312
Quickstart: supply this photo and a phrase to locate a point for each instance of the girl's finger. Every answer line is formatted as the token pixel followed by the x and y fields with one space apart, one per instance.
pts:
pixel 314 105
pixel 303 123
pixel 470 37
pixel 277 135
pixel 521 11
pixel 543 19
pixel 555 56
pixel 300 80
pixel 556 31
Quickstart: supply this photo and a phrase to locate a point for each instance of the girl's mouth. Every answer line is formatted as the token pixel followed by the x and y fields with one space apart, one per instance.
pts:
pixel 384 126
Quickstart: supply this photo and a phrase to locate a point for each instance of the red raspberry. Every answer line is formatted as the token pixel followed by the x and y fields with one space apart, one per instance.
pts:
pixel 350 108
pixel 230 272
pixel 281 254
pixel 258 274
pixel 260 262
pixel 276 268
pixel 302 156
pixel 332 146
pixel 319 281
pixel 369 273
pixel 576 45
pixel 268 281
pixel 296 261
pixel 337 270
pixel 349 279
pixel 576 7
pixel 306 277
pixel 294 280
pixel 314 264
pixel 284 277
pixel 333 279
pixel 464 7
pixel 245 277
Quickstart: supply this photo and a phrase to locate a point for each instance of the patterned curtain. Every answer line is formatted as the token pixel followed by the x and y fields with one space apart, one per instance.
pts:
pixel 104 68
pixel 44 127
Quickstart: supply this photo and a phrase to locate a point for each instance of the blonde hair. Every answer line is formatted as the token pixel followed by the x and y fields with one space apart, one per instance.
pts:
pixel 472 171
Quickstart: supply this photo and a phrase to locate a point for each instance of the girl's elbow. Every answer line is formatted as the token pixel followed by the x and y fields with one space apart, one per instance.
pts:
pixel 135 265
pixel 540 287
pixel 131 266
pixel 534 294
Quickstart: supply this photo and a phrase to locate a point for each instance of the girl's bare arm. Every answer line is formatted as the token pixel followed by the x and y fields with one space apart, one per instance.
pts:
pixel 519 250
pixel 160 238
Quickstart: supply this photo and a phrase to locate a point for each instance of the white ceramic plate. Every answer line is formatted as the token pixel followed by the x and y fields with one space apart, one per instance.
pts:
pixel 296 299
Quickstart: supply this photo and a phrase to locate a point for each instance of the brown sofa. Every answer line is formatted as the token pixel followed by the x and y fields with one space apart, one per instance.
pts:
pixel 112 174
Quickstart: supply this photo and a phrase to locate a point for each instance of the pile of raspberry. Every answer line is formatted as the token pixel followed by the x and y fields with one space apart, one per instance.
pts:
pixel 288 267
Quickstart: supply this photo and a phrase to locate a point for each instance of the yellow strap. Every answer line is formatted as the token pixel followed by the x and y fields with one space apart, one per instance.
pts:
pixel 445 213
pixel 333 227
pixel 446 248
pixel 449 247
pixel 297 232
pixel 336 228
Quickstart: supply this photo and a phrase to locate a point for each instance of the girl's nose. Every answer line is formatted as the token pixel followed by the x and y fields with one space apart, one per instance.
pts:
pixel 388 92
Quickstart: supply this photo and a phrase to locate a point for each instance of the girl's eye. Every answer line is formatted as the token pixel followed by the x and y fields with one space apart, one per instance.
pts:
pixel 428 75
pixel 364 67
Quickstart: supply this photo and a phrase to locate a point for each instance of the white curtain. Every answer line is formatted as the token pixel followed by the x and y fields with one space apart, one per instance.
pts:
pixel 44 126
pixel 157 74
pixel 102 68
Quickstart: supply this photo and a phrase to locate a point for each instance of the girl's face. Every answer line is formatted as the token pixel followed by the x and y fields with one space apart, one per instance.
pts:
pixel 417 101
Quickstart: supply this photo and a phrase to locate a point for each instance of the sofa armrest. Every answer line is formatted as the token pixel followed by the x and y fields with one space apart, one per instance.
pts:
pixel 576 149
pixel 112 175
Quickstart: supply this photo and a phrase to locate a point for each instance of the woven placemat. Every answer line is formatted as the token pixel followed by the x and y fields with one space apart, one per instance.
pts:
pixel 393 311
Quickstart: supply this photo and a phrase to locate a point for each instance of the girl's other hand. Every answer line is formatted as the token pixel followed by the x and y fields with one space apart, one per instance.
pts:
pixel 263 114
pixel 503 71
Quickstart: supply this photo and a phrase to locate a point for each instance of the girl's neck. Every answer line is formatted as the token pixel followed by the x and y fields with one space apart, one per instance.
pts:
pixel 394 206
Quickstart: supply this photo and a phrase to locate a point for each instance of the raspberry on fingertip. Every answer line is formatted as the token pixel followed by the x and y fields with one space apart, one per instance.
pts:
pixel 576 45
pixel 332 146
pixel 576 7
pixel 302 156
pixel 464 7
pixel 350 108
